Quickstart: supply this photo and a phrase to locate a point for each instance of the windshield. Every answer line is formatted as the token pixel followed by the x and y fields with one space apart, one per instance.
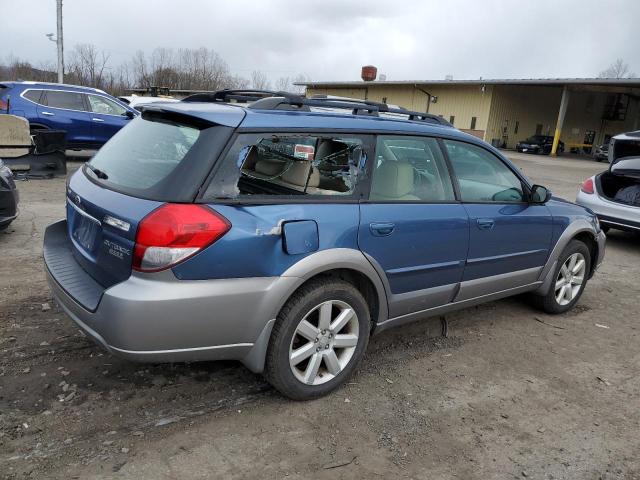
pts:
pixel 156 157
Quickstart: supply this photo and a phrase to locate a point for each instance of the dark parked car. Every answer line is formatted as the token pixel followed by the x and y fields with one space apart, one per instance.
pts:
pixel 601 152
pixel 285 232
pixel 89 116
pixel 538 144
pixel 8 197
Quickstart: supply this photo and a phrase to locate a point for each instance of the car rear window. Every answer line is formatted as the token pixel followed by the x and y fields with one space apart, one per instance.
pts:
pixel 158 157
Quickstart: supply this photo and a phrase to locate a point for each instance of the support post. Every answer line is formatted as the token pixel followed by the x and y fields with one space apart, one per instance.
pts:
pixel 564 102
pixel 59 42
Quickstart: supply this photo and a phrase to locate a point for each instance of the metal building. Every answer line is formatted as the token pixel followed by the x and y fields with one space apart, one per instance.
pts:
pixel 579 111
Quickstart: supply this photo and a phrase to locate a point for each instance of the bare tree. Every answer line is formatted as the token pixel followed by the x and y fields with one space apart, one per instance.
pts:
pixel 618 69
pixel 259 80
pixel 87 65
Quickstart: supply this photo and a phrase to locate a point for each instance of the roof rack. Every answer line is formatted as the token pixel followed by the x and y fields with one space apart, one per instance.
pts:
pixel 278 100
pixel 358 107
pixel 235 95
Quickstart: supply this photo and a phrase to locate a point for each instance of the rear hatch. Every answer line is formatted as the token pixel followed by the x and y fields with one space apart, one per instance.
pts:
pixel 163 156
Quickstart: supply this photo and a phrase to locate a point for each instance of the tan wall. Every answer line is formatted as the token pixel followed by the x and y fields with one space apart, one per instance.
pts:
pixel 464 102
pixel 499 107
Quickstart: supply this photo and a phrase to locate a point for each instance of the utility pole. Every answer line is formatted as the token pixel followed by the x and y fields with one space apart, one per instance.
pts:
pixel 59 42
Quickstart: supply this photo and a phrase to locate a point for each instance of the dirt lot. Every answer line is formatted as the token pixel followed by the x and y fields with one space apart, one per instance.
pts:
pixel 511 393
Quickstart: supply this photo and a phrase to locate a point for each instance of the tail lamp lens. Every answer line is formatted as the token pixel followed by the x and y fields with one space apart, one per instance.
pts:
pixel 174 232
pixel 587 186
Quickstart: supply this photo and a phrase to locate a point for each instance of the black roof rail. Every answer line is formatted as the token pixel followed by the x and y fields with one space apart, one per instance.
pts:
pixel 278 100
pixel 238 95
pixel 369 107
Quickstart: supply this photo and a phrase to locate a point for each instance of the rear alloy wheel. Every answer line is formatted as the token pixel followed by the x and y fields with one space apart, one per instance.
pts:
pixel 570 278
pixel 318 339
pixel 324 342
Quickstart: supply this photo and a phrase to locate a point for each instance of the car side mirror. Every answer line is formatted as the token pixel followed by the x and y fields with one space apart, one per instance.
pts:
pixel 129 114
pixel 540 194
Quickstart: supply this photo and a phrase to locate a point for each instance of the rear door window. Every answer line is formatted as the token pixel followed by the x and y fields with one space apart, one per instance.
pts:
pixel 410 169
pixel 66 100
pixel 289 165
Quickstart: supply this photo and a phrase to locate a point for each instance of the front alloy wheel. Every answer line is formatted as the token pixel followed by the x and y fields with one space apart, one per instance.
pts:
pixel 570 278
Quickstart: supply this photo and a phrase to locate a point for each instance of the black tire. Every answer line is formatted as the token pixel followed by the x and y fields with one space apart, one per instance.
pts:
pixel 549 303
pixel 278 370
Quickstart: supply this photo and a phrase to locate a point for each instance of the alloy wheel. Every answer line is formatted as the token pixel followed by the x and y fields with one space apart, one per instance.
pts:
pixel 324 342
pixel 570 278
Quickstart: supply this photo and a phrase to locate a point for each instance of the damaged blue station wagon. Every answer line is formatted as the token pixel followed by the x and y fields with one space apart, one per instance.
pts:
pixel 284 231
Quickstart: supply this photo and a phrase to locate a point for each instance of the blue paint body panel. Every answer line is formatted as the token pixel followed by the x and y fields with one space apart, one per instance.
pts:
pixel 427 248
pixel 519 239
pixel 254 247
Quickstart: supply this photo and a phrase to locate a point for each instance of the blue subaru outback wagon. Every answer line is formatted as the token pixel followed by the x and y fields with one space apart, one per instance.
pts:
pixel 285 231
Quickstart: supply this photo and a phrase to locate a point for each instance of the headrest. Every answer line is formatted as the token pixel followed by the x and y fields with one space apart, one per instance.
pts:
pixel 393 179
pixel 298 172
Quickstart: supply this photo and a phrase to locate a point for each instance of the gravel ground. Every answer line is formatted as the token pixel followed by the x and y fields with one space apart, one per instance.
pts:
pixel 511 393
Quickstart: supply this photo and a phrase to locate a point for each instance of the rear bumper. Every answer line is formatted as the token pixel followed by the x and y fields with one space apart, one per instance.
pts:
pixel 158 318
pixel 611 214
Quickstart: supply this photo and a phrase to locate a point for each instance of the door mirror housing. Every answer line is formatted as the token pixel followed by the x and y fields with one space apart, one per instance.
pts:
pixel 540 194
pixel 129 114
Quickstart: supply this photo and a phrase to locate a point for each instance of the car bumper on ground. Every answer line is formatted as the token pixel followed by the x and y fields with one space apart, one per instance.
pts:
pixel 611 214
pixel 158 318
pixel 8 205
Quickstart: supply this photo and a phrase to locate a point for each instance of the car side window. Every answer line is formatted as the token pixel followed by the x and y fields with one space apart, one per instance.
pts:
pixel 66 100
pixel 288 165
pixel 33 95
pixel 483 177
pixel 100 104
pixel 410 169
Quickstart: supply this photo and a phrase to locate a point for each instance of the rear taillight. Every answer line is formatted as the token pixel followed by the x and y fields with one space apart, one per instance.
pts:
pixel 587 186
pixel 4 106
pixel 175 232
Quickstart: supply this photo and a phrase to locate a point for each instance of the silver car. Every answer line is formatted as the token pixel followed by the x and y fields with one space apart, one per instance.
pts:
pixel 614 195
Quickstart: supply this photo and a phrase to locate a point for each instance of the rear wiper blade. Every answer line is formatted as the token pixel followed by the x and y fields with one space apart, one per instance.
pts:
pixel 99 173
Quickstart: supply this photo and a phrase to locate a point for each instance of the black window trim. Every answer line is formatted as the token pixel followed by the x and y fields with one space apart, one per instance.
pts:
pixel 356 196
pixel 526 187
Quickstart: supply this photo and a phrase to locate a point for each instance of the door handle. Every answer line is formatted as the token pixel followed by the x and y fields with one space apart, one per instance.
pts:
pixel 97 120
pixel 381 229
pixel 485 223
pixel 48 113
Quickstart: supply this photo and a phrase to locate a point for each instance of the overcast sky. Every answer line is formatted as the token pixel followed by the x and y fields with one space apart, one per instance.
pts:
pixel 331 39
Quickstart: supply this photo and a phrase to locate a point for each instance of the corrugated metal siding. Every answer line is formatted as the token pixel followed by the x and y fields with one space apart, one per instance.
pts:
pixel 463 102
